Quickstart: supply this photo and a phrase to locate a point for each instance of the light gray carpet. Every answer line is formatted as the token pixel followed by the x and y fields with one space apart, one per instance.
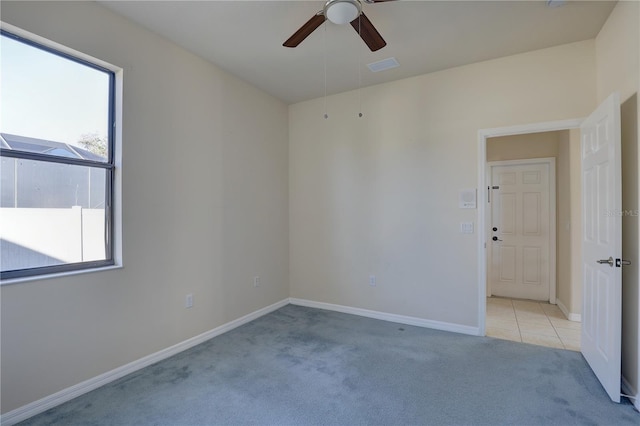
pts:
pixel 300 366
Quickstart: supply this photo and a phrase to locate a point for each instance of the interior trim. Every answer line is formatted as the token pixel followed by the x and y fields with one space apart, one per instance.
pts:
pixel 570 316
pixel 401 319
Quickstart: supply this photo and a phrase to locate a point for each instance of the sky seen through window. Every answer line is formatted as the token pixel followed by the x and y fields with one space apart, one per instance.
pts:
pixel 46 96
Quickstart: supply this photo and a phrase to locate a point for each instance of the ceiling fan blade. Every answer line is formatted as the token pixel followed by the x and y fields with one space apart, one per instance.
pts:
pixel 305 30
pixel 368 32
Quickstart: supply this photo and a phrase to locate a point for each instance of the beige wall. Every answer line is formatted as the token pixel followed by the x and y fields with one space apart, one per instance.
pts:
pixel 617 52
pixel 519 147
pixel 618 56
pixel 569 290
pixel 563 223
pixel 205 208
pixel 575 194
pixel 379 195
pixel 557 145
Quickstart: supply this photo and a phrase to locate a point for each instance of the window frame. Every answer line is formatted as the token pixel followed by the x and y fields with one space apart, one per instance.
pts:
pixel 109 166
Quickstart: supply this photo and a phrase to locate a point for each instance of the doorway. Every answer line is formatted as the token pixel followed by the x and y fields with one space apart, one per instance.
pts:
pixel 521 255
pixel 546 321
pixel 599 154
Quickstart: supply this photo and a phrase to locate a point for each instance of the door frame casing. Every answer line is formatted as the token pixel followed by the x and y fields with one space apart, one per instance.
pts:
pixel 483 234
pixel 551 162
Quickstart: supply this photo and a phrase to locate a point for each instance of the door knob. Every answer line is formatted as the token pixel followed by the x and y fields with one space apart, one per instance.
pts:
pixel 608 261
pixel 496 239
pixel 622 262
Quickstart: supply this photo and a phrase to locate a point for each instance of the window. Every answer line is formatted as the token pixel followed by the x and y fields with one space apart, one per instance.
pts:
pixel 56 160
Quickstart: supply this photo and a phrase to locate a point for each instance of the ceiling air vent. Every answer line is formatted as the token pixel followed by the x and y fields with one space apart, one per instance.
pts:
pixel 383 65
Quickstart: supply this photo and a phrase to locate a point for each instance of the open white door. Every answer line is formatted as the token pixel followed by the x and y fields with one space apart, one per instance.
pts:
pixel 602 244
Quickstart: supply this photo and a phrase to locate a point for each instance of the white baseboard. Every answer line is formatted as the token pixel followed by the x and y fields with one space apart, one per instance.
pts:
pixel 627 389
pixel 402 319
pixel 42 405
pixel 570 316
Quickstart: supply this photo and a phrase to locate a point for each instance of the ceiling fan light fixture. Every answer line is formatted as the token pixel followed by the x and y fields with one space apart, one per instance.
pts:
pixel 342 11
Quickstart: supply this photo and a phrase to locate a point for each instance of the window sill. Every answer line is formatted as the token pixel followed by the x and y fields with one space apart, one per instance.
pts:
pixel 57 275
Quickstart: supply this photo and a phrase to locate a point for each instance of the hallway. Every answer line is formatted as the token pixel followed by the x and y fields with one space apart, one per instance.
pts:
pixel 532 322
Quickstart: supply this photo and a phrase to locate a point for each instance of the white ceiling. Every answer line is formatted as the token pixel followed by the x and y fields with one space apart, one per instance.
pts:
pixel 245 37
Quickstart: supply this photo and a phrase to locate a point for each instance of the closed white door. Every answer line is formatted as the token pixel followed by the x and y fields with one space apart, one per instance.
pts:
pixel 602 244
pixel 520 262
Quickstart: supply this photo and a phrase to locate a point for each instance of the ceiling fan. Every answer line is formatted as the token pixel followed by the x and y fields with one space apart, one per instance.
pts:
pixel 340 12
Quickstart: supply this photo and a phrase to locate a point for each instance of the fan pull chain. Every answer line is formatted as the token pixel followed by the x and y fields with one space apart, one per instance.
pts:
pixel 326 116
pixel 359 71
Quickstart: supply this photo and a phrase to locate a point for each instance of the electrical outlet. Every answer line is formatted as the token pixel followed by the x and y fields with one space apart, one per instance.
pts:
pixel 256 281
pixel 188 301
pixel 372 280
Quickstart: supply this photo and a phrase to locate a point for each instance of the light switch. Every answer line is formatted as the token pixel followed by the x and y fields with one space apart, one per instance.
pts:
pixel 466 227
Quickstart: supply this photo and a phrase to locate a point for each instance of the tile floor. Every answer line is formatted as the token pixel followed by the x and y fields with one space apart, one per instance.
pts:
pixel 531 322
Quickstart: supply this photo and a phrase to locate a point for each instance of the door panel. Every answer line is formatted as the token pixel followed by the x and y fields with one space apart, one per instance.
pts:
pixel 520 257
pixel 532 211
pixel 507 264
pixel 507 213
pixel 531 264
pixel 601 240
